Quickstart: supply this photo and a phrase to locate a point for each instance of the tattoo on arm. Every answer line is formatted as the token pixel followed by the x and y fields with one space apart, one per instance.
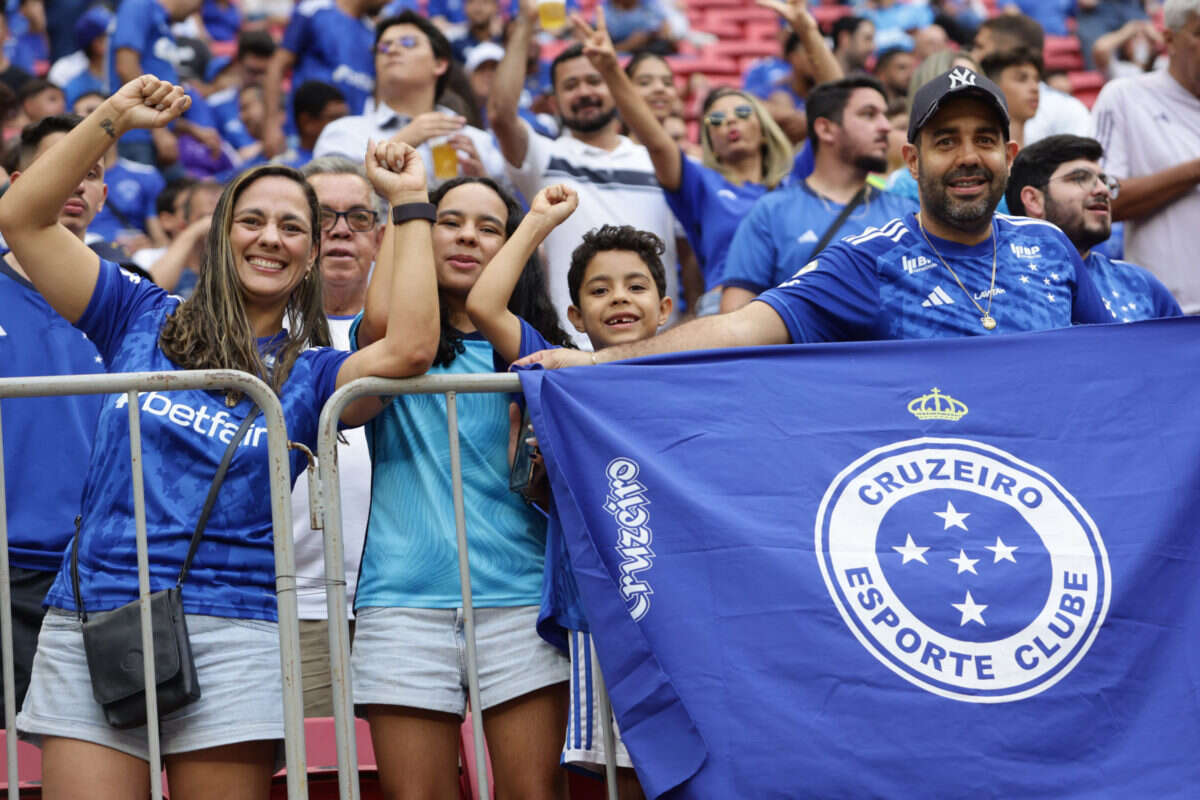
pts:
pixel 107 125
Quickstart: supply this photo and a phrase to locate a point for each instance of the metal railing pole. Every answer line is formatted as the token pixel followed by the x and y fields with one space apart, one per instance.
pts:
pixel 6 621
pixel 143 564
pixel 606 724
pixel 335 568
pixel 285 596
pixel 280 482
pixel 330 519
pixel 464 576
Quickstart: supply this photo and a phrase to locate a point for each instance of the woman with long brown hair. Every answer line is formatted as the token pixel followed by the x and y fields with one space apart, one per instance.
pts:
pixel 257 308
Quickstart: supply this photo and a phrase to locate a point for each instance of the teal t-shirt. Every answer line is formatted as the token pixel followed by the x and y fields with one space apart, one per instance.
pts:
pixel 410 558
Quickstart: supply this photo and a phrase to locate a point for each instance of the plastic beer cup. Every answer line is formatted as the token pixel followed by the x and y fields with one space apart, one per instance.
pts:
pixel 552 14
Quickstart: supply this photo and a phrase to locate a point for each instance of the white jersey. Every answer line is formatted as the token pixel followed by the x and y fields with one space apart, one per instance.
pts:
pixel 1148 124
pixel 616 187
pixel 354 471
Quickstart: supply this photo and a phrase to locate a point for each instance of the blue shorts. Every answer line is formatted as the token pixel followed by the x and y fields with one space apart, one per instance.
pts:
pixel 241 689
pixel 417 657
pixel 584 746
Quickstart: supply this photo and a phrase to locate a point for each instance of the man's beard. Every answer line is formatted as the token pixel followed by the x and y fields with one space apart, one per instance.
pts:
pixel 969 216
pixel 590 125
pixel 1073 222
pixel 870 163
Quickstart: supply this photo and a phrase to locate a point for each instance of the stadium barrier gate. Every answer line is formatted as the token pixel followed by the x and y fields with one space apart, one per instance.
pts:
pixel 326 512
pixel 132 383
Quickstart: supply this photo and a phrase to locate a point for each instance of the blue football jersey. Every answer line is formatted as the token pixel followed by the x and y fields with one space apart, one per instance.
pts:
pixel 888 283
pixel 47 440
pixel 132 190
pixel 143 26
pixel 709 207
pixel 184 437
pixel 333 47
pixel 777 237
pixel 1130 292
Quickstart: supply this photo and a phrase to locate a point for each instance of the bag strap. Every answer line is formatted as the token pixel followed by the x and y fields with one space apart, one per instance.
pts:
pixel 847 210
pixel 218 479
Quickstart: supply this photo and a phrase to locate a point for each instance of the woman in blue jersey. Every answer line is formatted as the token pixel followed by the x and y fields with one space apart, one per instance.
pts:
pixel 408 662
pixel 746 154
pixel 261 271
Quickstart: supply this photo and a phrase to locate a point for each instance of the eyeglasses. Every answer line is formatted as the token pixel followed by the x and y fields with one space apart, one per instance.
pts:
pixel 360 220
pixel 394 45
pixel 716 119
pixel 1086 179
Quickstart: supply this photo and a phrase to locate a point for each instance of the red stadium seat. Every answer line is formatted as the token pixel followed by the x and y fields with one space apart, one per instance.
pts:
pixel 727 30
pixel 1086 85
pixel 709 65
pixel 1062 53
pixel 827 15
pixel 742 49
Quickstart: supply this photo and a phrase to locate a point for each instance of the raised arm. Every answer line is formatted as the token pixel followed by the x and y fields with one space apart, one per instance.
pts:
pixel 408 344
pixel 506 88
pixel 754 324
pixel 487 304
pixel 795 12
pixel 634 111
pixel 58 263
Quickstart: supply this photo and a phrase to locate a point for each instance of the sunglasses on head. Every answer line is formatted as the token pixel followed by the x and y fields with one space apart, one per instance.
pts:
pixel 716 119
pixel 395 45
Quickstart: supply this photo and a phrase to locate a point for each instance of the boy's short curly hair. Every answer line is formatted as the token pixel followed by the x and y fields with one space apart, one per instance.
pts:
pixel 646 245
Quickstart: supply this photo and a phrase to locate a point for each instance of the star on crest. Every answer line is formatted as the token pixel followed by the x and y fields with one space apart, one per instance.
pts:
pixel 952 517
pixel 1046 281
pixel 910 551
pixel 1002 551
pixel 1033 266
pixel 1024 279
pixel 970 610
pixel 1050 297
pixel 964 564
pixel 1054 275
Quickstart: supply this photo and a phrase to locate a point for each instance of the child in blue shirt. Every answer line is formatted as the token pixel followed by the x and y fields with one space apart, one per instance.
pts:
pixel 618 286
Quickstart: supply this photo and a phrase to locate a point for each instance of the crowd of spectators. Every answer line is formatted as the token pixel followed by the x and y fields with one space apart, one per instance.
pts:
pixel 650 178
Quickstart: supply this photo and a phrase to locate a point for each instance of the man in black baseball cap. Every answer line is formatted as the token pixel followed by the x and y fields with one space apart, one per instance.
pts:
pixel 960 153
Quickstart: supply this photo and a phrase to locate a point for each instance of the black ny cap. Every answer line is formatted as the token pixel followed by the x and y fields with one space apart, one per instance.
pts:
pixel 958 82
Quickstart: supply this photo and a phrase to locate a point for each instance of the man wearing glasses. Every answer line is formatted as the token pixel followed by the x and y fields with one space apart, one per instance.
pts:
pixel 1058 179
pixel 412 62
pixel 351 232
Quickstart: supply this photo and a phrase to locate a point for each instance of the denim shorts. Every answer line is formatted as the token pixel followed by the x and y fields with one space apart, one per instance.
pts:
pixel 417 657
pixel 241 689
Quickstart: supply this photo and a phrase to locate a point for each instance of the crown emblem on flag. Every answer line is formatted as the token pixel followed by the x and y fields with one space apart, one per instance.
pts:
pixel 936 405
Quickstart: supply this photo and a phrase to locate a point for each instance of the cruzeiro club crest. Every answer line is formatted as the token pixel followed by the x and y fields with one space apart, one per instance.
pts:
pixel 965 570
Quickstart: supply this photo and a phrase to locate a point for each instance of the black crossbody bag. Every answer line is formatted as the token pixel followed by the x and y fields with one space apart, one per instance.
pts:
pixel 112 640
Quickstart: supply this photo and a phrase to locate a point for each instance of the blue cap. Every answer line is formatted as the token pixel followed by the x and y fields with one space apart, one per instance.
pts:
pixel 91 25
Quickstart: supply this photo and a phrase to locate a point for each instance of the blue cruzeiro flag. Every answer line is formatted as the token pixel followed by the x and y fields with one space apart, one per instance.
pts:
pixel 943 568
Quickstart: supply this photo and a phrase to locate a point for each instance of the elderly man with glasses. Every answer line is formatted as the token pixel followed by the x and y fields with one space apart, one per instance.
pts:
pixel 1059 179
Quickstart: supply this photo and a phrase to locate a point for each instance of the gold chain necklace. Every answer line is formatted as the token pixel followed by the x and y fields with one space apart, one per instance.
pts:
pixel 987 320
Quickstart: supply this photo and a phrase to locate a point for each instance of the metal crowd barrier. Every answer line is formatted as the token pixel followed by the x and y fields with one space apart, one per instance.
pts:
pixel 132 383
pixel 328 510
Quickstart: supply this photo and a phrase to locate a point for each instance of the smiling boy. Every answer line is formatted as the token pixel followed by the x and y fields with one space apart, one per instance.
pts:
pixel 618 296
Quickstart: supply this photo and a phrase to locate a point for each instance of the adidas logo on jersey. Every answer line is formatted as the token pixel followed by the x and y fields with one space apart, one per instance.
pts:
pixel 938 297
pixel 1021 251
pixel 918 264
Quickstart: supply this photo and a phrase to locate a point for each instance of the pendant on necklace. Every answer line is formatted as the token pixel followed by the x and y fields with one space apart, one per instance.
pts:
pixel 988 322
